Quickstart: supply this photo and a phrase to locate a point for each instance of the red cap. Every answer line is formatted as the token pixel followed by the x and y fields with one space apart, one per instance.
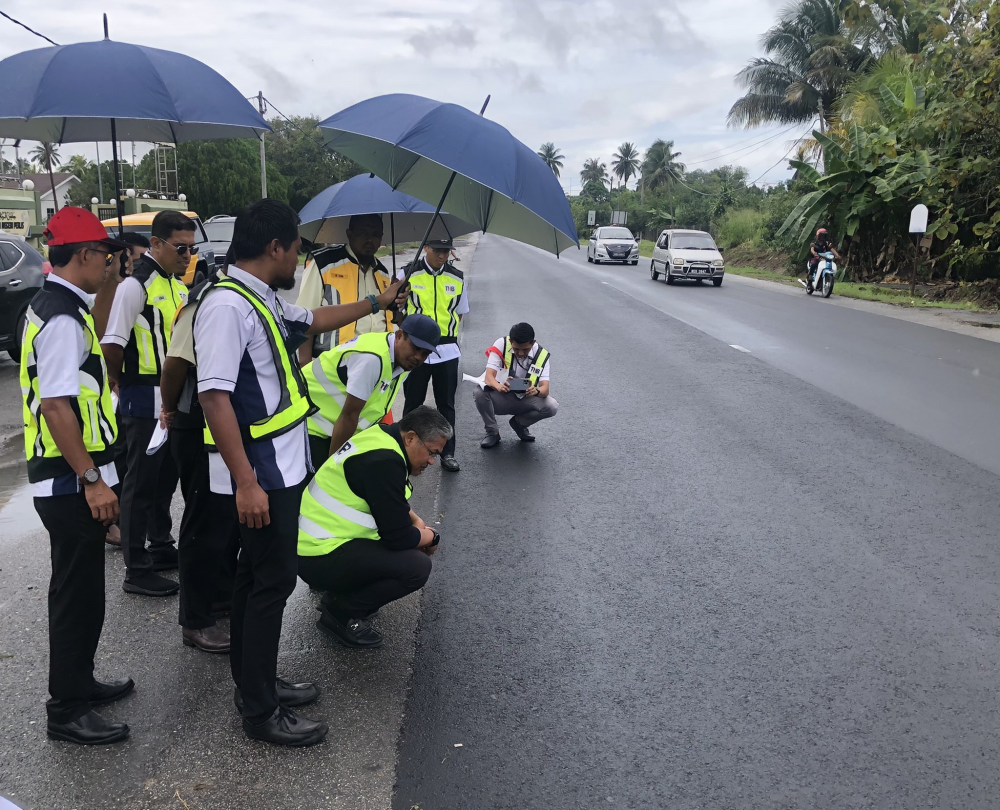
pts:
pixel 71 226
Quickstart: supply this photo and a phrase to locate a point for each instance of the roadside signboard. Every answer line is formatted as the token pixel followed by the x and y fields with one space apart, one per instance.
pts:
pixel 591 217
pixel 15 221
pixel 619 217
pixel 918 219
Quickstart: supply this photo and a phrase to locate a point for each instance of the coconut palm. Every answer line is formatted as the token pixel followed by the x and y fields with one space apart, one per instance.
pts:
pixel 811 57
pixel 78 165
pixel 660 167
pixel 553 159
pixel 45 154
pixel 625 163
pixel 594 172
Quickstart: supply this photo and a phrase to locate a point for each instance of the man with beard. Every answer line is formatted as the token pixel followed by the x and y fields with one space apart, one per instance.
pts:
pixel 254 399
pixel 343 274
pixel 359 540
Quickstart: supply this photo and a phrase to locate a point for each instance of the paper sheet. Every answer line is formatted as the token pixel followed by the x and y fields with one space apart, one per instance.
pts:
pixel 502 375
pixel 157 440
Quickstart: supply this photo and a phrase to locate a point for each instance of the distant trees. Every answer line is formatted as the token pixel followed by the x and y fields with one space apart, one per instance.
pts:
pixel 625 162
pixel 552 157
pixel 45 154
pixel 594 171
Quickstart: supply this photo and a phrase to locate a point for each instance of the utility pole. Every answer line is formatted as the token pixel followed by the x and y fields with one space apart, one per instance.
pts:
pixel 822 117
pixel 262 107
pixel 100 180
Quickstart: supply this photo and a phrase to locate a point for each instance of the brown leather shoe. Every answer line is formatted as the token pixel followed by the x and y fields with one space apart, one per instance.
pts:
pixel 208 639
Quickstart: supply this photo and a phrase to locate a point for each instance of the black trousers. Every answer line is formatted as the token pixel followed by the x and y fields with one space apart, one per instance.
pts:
pixel 445 379
pixel 265 578
pixel 361 576
pixel 319 451
pixel 209 538
pixel 76 602
pixel 146 494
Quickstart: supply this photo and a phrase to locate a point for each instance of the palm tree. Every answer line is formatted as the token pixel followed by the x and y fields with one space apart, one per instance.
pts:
pixel 78 165
pixel 44 155
pixel 811 57
pixel 625 163
pixel 553 159
pixel 594 172
pixel 661 169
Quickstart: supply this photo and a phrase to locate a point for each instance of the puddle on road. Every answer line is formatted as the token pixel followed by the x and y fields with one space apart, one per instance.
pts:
pixel 17 509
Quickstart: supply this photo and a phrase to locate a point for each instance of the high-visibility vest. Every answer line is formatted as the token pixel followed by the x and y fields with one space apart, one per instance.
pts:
pixel 147 345
pixel 341 275
pixel 437 295
pixel 93 408
pixel 331 514
pixel 329 393
pixel 293 406
pixel 536 364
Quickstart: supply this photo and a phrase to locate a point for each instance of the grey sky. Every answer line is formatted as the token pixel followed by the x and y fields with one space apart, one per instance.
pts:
pixel 585 74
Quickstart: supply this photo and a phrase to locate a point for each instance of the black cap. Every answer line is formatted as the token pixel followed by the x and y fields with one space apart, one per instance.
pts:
pixel 422 331
pixel 445 242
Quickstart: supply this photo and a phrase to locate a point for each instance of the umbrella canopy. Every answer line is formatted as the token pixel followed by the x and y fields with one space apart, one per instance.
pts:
pixel 405 218
pixel 426 148
pixel 72 93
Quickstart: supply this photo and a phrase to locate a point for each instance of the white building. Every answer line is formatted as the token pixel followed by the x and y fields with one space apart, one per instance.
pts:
pixel 63 182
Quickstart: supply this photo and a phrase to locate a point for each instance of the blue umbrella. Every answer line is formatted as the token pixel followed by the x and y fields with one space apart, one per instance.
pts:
pixel 448 155
pixel 100 91
pixel 324 218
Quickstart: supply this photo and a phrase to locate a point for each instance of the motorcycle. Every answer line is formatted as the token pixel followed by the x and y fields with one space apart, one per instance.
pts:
pixel 822 281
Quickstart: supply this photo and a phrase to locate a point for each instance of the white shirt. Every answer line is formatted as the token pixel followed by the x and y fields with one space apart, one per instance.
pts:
pixel 365 370
pixel 519 367
pixel 446 351
pixel 232 341
pixel 60 351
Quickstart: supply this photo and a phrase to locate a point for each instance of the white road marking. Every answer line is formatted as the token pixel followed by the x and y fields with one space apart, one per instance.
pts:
pixel 739 348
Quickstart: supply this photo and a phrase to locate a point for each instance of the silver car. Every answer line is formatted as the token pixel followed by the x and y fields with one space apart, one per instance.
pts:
pixel 613 244
pixel 687 255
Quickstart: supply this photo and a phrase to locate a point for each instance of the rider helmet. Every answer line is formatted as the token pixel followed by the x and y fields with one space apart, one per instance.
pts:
pixel 821 232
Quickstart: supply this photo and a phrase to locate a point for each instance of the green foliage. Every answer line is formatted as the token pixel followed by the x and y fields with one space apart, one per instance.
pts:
pixel 552 157
pixel 740 226
pixel 223 177
pixel 625 162
pixel 296 150
pixel 594 171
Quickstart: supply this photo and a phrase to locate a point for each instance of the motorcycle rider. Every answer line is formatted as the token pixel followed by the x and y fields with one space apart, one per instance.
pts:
pixel 816 249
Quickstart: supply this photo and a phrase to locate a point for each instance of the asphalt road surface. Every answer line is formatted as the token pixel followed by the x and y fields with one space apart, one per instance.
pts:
pixel 747 578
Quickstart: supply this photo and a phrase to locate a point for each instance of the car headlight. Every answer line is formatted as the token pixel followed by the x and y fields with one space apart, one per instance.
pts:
pixel 635 248
pixel 678 262
pixel 718 263
pixel 601 248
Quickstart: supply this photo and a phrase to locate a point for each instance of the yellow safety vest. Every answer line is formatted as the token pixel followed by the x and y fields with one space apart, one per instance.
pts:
pixel 536 364
pixel 331 514
pixel 93 408
pixel 329 393
pixel 437 295
pixel 294 405
pixel 147 345
pixel 341 276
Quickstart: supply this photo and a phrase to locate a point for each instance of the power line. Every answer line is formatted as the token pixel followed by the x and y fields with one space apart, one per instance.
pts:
pixel 689 188
pixel 795 143
pixel 754 147
pixel 26 28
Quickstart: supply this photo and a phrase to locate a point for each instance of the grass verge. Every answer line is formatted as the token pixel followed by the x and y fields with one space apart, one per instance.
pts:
pixel 646 248
pixel 862 292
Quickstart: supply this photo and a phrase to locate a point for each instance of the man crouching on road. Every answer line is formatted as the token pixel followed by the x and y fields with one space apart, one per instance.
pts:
pixel 359 540
pixel 527 363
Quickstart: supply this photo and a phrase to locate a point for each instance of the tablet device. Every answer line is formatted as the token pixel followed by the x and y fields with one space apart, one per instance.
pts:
pixel 518 384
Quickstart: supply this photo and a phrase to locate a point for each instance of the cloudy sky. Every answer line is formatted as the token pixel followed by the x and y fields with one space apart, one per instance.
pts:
pixel 585 74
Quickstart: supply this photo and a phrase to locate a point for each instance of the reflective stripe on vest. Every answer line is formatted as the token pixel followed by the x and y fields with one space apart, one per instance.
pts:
pixel 341 279
pixel 329 393
pixel 147 345
pixel 93 407
pixel 536 364
pixel 331 514
pixel 436 296
pixel 293 406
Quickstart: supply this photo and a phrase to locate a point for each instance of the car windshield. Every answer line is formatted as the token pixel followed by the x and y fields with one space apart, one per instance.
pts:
pixel 615 233
pixel 147 231
pixel 220 231
pixel 692 241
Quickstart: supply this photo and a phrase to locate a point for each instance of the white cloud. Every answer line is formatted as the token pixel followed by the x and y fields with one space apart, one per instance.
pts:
pixel 586 74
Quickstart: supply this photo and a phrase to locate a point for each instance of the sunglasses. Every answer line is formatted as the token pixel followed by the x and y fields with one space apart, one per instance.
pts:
pixel 182 249
pixel 108 257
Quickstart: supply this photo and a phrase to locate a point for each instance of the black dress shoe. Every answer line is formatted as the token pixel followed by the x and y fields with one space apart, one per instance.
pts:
pixel 111 691
pixel 450 463
pixel 520 430
pixel 207 639
pixel 490 440
pixel 284 728
pixel 91 729
pixel 165 559
pixel 289 694
pixel 150 584
pixel 353 633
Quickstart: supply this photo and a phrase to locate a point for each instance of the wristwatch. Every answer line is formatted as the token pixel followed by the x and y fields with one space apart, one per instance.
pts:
pixel 90 476
pixel 374 302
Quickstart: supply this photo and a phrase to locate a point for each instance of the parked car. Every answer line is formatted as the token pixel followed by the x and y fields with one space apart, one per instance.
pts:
pixel 198 268
pixel 613 244
pixel 220 237
pixel 21 277
pixel 687 254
